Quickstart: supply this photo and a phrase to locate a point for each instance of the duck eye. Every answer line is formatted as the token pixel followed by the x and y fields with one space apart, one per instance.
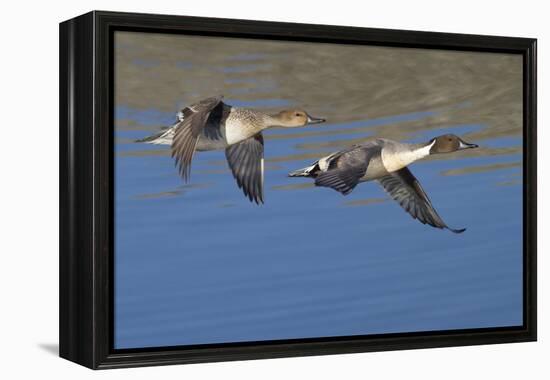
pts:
pixel 298 114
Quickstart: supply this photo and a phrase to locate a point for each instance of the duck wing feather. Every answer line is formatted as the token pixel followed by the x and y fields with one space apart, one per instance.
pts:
pixel 405 189
pixel 193 122
pixel 246 160
pixel 345 168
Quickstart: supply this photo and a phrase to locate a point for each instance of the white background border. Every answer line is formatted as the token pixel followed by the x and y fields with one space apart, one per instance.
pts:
pixel 29 172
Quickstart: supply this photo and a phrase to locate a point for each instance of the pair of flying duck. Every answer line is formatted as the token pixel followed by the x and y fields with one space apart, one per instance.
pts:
pixel 212 124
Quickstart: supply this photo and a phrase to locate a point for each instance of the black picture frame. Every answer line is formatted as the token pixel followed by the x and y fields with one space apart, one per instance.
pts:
pixel 86 189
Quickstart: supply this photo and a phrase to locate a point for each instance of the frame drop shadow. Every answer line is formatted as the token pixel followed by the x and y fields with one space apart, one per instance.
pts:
pixel 51 348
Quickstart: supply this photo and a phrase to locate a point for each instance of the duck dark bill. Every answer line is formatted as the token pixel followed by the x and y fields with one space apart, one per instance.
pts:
pixel 464 145
pixel 314 120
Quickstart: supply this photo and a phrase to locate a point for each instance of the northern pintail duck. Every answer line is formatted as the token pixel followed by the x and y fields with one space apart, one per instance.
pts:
pixel 212 124
pixel 385 161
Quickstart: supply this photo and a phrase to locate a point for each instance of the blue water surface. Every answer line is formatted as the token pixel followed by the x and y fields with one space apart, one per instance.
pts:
pixel 198 263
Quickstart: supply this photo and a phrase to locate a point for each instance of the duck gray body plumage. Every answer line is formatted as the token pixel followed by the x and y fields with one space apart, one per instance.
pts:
pixel 385 161
pixel 211 124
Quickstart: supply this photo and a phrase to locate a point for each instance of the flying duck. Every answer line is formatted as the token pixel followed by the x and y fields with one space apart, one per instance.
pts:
pixel 385 161
pixel 212 124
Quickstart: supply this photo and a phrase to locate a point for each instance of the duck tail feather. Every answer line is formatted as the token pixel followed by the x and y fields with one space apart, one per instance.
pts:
pixel 163 137
pixel 304 172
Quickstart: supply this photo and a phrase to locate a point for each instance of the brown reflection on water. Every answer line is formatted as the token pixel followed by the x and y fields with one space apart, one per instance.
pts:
pixel 173 193
pixel 365 202
pixel 294 186
pixel 342 83
pixel 140 153
pixel 162 194
pixel 481 168
pixel 128 124
pixel 513 182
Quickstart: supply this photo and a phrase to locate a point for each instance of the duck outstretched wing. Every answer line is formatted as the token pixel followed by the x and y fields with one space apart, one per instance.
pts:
pixel 345 168
pixel 246 160
pixel 404 188
pixel 194 120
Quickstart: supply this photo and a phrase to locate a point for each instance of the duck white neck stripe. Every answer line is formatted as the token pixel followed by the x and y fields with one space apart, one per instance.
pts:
pixel 424 151
pixel 397 160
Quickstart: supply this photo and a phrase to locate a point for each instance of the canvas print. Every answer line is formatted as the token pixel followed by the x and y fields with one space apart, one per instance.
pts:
pixel 275 190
